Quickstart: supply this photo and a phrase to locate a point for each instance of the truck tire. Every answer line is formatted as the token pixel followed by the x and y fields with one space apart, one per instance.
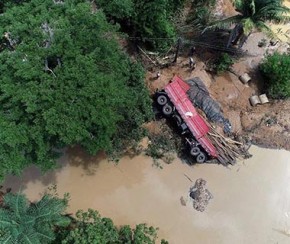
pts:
pixel 201 157
pixel 167 109
pixel 162 100
pixel 194 151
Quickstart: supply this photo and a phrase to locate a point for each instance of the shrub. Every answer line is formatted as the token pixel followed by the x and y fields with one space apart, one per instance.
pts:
pixel 276 71
pixel 223 63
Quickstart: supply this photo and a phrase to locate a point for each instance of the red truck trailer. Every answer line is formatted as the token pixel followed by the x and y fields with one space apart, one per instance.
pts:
pixel 174 103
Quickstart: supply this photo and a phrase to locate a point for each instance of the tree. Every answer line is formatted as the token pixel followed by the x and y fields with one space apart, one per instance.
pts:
pixel 148 20
pixel 90 227
pixel 223 63
pixel 253 14
pixel 24 222
pixel 64 80
pixel 121 10
pixel 276 70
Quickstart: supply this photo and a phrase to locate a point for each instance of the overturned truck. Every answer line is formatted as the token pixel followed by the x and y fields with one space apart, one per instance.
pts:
pixel 203 143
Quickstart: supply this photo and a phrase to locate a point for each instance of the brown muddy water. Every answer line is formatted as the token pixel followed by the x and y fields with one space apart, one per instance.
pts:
pixel 251 201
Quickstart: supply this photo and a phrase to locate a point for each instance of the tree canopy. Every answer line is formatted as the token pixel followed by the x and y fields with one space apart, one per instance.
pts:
pixel 64 81
pixel 26 223
pixel 149 20
pixel 276 70
pixel 90 227
pixel 45 221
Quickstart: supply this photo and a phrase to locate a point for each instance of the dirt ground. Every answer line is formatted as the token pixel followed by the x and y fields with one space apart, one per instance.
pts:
pixel 265 125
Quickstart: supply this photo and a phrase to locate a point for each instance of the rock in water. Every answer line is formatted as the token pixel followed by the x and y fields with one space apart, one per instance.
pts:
pixel 200 195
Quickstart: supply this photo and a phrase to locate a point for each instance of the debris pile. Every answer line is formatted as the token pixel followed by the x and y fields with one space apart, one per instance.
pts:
pixel 200 195
pixel 228 149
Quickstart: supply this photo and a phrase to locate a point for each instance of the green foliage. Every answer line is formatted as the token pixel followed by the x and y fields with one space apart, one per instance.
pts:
pixel 223 63
pixel 24 222
pixel 163 144
pixel 201 13
pixel 90 227
pixel 119 9
pixel 276 70
pixel 148 19
pixel 152 19
pixel 64 81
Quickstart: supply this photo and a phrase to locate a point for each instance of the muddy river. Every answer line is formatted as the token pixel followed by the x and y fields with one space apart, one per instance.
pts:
pixel 251 201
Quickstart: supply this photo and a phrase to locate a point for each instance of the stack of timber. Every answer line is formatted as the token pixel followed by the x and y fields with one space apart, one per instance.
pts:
pixel 229 150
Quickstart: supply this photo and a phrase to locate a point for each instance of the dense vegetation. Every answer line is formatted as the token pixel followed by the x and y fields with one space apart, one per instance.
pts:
pixel 201 14
pixel 25 222
pixel 45 222
pixel 276 70
pixel 64 81
pixel 223 63
pixel 90 227
pixel 151 21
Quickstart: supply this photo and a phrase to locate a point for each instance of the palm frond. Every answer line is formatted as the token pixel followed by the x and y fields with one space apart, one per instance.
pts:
pixel 16 202
pixel 225 23
pixel 6 220
pixel 273 13
pixel 45 234
pixel 5 239
pixel 266 29
pixel 248 25
pixel 31 223
pixel 239 5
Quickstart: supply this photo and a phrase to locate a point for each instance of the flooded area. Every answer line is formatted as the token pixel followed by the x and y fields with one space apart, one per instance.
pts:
pixel 251 200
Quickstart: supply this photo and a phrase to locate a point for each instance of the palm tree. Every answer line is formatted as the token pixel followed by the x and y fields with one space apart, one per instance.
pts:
pixel 31 223
pixel 252 15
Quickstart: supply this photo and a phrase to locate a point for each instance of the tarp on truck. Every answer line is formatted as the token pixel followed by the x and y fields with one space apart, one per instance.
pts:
pixel 201 98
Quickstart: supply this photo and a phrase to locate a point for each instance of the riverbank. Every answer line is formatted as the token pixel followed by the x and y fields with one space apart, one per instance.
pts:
pixel 251 200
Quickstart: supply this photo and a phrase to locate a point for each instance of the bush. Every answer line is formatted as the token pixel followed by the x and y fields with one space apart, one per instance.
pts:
pixel 276 71
pixel 223 63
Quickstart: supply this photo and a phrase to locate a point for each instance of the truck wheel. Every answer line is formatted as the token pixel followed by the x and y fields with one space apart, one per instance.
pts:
pixel 161 100
pixel 195 151
pixel 167 109
pixel 201 157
